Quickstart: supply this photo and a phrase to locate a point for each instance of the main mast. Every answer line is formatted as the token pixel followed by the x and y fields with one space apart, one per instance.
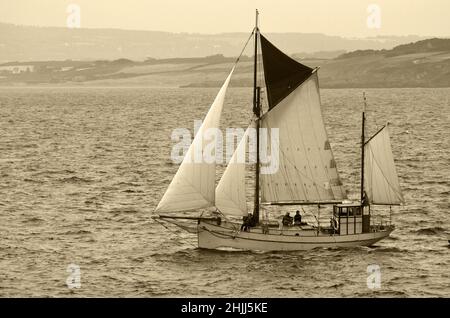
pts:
pixel 362 149
pixel 257 112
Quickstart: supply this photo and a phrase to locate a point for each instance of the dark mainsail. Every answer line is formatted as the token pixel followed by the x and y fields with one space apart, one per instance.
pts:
pixel 282 73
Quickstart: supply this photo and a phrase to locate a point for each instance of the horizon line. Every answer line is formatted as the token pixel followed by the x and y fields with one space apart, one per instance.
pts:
pixel 220 33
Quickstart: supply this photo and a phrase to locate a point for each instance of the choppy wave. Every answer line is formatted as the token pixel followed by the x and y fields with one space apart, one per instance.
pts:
pixel 75 179
pixel 85 168
pixel 430 231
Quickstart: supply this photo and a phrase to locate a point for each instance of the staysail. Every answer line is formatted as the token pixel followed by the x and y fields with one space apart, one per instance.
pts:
pixel 307 170
pixel 231 190
pixel 193 186
pixel 381 181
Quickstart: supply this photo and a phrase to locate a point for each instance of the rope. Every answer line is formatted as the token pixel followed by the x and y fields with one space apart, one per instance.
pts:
pixel 245 46
pixel 307 212
pixel 219 235
pixel 236 230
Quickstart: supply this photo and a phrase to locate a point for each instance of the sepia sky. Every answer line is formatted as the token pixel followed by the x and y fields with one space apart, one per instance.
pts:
pixel 344 17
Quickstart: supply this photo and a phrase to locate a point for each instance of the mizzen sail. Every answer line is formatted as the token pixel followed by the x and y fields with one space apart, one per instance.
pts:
pixel 193 186
pixel 381 181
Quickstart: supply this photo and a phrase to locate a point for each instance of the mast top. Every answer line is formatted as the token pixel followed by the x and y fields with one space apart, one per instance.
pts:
pixel 365 102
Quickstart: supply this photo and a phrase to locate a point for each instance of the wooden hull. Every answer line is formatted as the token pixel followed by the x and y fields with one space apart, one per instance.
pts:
pixel 212 236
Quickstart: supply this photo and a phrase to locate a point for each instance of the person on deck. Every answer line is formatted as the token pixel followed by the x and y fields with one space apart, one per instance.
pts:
pixel 287 219
pixel 247 222
pixel 297 218
pixel 244 223
pixel 365 200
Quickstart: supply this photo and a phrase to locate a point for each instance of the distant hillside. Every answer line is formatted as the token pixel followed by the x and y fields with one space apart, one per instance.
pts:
pixel 421 64
pixel 27 43
pixel 425 46
pixel 324 55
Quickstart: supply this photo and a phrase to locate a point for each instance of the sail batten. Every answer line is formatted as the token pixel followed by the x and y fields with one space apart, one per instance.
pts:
pixel 381 180
pixel 193 186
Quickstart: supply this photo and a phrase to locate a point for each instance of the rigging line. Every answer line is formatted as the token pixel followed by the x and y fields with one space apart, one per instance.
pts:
pixel 170 230
pixel 227 219
pixel 219 235
pixel 374 113
pixel 310 213
pixel 374 135
pixel 374 116
pixel 245 46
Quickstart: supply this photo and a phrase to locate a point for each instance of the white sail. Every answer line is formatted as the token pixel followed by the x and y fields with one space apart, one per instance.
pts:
pixel 193 186
pixel 380 177
pixel 230 192
pixel 307 171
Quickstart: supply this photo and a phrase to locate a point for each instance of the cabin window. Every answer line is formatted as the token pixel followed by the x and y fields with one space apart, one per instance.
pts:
pixel 343 211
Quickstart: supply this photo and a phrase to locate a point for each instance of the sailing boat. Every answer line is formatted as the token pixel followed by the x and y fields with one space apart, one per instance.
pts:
pixel 306 174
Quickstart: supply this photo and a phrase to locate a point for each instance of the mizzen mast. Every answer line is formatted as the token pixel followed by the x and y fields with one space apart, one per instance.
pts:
pixel 362 148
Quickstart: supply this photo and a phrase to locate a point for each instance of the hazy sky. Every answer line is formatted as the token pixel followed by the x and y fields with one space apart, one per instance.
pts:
pixel 336 17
